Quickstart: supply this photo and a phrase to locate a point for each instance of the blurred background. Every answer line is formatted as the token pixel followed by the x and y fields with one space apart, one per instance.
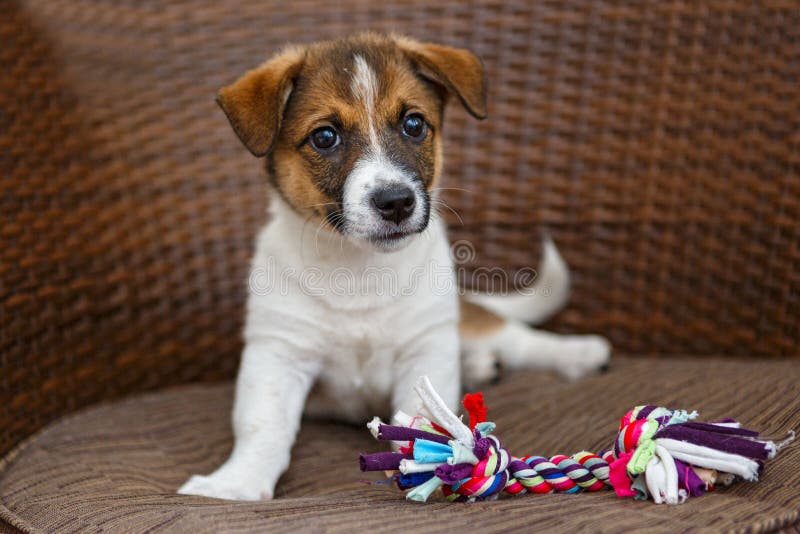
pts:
pixel 658 142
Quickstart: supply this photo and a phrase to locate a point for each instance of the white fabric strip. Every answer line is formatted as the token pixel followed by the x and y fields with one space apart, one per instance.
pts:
pixel 711 458
pixel 374 426
pixel 412 466
pixel 671 471
pixel 401 418
pixel 442 414
pixel 656 479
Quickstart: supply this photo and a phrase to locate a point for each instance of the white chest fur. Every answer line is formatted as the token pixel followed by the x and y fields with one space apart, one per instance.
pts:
pixel 347 311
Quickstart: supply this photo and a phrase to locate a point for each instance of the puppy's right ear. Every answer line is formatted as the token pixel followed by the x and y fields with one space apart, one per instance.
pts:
pixel 255 102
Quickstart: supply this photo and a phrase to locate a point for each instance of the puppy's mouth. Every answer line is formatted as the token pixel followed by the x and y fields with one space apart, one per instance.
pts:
pixel 391 238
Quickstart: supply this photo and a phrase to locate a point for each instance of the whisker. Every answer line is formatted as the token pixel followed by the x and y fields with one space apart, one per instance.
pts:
pixel 333 218
pixel 452 189
pixel 302 236
pixel 440 202
pixel 322 204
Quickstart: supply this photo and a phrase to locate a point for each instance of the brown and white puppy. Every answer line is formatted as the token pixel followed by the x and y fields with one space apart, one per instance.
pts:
pixel 352 289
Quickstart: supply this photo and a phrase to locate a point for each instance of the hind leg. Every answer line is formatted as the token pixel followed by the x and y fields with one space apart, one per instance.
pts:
pixel 477 328
pixel 571 356
pixel 488 340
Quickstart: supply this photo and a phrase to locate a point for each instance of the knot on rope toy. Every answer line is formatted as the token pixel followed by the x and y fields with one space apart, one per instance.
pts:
pixel 659 453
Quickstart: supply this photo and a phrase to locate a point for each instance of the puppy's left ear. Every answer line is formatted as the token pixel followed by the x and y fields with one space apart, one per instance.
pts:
pixel 255 102
pixel 456 69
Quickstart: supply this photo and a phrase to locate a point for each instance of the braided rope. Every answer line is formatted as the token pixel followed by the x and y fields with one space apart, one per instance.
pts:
pixel 658 453
pixel 530 474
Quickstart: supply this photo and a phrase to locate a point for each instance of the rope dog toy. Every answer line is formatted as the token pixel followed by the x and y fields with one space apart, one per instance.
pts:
pixel 659 454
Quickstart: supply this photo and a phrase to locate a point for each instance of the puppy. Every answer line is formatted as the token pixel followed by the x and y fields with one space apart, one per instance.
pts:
pixel 352 289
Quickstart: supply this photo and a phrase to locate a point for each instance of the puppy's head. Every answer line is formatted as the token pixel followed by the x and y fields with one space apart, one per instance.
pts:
pixel 351 129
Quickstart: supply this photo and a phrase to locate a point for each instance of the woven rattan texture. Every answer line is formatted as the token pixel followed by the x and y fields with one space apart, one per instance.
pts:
pixel 656 141
pixel 85 473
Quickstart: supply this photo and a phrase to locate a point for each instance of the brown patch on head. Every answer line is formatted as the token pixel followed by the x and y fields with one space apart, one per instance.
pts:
pixel 476 321
pixel 363 88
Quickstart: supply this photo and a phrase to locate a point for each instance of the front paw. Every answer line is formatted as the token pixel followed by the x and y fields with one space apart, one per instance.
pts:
pixel 479 367
pixel 222 485
pixel 585 355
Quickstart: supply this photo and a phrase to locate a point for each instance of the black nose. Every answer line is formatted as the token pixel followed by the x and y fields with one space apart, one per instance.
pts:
pixel 394 203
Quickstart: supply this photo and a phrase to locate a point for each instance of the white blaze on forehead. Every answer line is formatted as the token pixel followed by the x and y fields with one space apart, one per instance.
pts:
pixel 365 88
pixel 373 169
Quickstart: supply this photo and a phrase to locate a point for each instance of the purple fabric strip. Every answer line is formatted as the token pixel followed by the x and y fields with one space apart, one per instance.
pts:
pixel 544 471
pixel 586 477
pixel 401 433
pixel 548 471
pixel 573 467
pixel 482 447
pixel 381 461
pixel 721 429
pixel 451 474
pixel 516 465
pixel 644 412
pixel 688 480
pixel 721 442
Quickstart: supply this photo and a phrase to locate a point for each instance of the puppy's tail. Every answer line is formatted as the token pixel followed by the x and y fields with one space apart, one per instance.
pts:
pixel 537 303
pixel 493 329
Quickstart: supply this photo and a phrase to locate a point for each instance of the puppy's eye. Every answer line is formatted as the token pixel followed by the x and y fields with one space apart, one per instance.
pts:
pixel 324 139
pixel 414 126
